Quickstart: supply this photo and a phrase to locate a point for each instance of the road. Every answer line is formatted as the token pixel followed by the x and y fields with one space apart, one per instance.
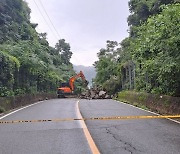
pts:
pixel 44 137
pixel 143 136
pixel 138 136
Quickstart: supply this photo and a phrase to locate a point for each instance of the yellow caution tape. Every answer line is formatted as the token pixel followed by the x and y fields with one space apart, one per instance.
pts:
pixel 96 118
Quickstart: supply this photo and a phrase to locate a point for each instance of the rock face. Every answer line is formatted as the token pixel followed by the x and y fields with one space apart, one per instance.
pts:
pixel 95 93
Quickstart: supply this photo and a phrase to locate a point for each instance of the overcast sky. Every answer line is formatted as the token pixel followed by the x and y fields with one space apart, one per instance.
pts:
pixel 85 24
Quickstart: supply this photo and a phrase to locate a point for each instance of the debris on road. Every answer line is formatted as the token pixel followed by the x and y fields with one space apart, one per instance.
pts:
pixel 95 93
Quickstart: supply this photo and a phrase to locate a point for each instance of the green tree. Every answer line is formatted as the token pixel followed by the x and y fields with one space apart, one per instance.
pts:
pixel 107 68
pixel 27 63
pixel 141 10
pixel 157 48
pixel 63 49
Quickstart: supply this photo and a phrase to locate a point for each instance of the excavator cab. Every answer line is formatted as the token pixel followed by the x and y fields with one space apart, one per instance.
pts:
pixel 63 90
pixel 65 84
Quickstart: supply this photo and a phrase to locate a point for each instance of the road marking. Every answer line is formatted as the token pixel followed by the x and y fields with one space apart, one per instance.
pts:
pixel 19 110
pixel 91 143
pixel 93 118
pixel 147 111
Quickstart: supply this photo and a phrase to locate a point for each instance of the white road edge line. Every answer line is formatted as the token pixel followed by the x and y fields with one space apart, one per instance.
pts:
pixel 20 109
pixel 148 111
pixel 91 143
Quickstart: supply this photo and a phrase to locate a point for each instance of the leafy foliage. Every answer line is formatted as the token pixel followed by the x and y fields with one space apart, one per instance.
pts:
pixel 153 46
pixel 141 10
pixel 27 63
pixel 63 49
pixel 107 68
pixel 157 47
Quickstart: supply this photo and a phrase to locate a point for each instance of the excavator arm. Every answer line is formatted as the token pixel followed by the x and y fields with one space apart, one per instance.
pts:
pixel 72 80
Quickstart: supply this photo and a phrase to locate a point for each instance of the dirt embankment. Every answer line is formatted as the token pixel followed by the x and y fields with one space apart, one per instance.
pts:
pixel 9 103
pixel 158 103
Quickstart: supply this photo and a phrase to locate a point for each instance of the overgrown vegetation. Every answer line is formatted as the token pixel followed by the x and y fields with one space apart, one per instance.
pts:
pixel 2 109
pixel 158 103
pixel 27 63
pixel 148 60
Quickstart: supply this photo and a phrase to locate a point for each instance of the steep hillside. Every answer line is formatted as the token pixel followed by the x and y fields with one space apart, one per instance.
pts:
pixel 27 63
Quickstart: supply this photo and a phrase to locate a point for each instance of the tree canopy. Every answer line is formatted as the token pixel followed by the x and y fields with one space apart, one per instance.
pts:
pixel 63 49
pixel 148 60
pixel 157 48
pixel 27 63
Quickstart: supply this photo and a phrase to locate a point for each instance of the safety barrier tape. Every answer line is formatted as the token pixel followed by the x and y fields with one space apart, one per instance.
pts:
pixel 96 118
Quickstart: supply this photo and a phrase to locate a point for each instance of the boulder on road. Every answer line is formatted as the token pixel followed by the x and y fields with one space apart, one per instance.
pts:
pixel 95 93
pixel 102 93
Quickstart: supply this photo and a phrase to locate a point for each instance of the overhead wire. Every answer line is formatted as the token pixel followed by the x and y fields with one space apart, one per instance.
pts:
pixel 44 19
pixel 53 25
pixel 55 30
pixel 49 18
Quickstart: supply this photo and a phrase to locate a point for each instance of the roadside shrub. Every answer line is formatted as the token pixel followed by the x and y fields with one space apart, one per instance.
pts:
pixel 4 91
pixel 2 109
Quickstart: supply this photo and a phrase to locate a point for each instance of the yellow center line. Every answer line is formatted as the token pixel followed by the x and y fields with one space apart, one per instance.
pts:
pixel 88 136
pixel 134 117
pixel 95 118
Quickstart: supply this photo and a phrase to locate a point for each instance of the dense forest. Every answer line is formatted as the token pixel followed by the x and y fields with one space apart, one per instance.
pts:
pixel 149 59
pixel 27 63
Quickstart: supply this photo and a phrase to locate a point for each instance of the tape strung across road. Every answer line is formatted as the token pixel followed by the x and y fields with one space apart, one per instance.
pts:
pixel 96 118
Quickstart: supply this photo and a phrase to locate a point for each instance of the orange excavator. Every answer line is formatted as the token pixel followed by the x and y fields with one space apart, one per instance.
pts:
pixel 68 88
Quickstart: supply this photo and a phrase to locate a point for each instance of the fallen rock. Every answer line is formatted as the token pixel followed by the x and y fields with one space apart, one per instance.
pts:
pixel 95 93
pixel 102 93
pixel 107 97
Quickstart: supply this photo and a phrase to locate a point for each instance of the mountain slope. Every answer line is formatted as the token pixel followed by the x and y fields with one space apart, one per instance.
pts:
pixel 27 63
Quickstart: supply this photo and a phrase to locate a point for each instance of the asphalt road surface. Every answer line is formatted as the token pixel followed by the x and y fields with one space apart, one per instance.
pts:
pixel 44 137
pixel 140 136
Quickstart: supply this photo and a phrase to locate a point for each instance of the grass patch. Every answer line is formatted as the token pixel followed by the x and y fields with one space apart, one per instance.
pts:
pixel 158 103
pixel 2 109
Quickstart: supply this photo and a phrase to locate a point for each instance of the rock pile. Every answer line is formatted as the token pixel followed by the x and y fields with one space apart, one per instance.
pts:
pixel 95 93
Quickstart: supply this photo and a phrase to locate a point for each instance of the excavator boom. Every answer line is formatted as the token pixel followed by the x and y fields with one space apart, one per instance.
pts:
pixel 72 79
